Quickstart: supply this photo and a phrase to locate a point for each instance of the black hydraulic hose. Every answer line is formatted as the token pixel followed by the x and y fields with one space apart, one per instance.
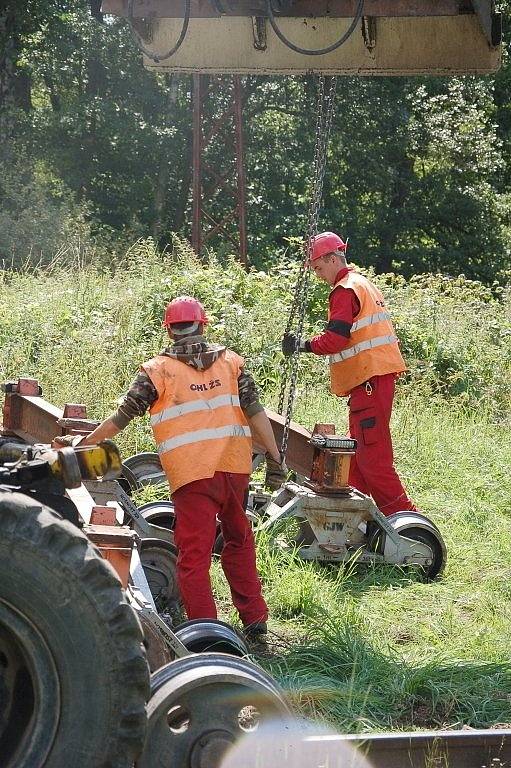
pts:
pixel 319 51
pixel 154 56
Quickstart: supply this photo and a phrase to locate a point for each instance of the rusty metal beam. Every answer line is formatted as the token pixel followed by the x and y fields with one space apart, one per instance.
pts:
pixel 28 415
pixel 333 8
pixel 299 451
pixel 31 418
pixel 218 226
pixel 198 87
pixel 225 132
pixel 240 168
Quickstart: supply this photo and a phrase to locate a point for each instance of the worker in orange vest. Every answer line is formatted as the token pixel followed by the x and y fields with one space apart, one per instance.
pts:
pixel 365 361
pixel 204 408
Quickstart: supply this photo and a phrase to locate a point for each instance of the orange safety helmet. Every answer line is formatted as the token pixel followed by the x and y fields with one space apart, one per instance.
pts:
pixel 326 242
pixel 184 309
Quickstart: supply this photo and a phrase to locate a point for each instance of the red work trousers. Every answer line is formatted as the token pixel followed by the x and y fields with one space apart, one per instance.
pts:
pixel 372 468
pixel 197 506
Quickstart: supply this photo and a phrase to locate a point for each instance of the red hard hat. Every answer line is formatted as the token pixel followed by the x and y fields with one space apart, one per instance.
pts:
pixel 326 242
pixel 184 309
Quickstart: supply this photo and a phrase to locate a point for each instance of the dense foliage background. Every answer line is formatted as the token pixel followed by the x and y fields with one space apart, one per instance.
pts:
pixel 95 148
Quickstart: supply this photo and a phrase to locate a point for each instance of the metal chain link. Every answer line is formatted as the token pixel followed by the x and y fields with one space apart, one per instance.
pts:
pixel 299 296
pixel 324 106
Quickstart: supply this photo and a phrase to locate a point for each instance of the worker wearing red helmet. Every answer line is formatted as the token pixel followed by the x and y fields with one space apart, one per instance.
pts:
pixel 365 360
pixel 204 407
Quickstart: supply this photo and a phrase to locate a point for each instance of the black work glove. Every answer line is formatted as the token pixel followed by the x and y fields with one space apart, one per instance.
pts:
pixel 290 344
pixel 276 473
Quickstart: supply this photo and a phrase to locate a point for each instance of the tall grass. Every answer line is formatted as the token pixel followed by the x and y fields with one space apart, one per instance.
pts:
pixel 360 647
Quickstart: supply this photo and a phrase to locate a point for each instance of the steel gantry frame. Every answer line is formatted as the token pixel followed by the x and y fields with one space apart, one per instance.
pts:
pixel 218 162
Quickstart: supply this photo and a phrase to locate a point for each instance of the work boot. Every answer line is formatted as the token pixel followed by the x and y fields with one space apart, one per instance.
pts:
pixel 256 637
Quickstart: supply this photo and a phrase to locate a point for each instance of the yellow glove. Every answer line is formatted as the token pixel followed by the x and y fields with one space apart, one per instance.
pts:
pixel 66 441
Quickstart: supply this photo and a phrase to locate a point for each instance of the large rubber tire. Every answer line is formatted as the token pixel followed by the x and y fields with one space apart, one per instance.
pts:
pixel 73 674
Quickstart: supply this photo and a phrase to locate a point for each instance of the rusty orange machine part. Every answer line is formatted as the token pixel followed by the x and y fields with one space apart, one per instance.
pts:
pixel 27 415
pixel 115 542
pixel 330 466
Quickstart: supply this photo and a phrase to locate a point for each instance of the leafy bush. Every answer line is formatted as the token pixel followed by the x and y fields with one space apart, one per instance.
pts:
pixel 455 333
pixel 363 647
pixel 38 213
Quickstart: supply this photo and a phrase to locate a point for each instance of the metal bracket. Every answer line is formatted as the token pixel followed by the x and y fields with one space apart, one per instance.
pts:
pixel 141 600
pixel 490 21
pixel 328 515
pixel 259 33
pixel 285 504
pixel 142 527
pixel 369 32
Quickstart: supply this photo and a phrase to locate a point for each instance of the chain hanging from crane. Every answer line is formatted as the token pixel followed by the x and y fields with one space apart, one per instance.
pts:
pixel 324 111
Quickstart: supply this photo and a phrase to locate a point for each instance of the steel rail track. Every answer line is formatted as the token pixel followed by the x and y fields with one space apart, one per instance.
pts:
pixel 427 749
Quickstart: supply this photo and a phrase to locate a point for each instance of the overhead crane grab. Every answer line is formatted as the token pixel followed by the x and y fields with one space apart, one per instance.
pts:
pixel 352 37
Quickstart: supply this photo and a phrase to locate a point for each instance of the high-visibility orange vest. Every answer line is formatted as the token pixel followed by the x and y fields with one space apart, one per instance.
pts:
pixel 373 348
pixel 197 421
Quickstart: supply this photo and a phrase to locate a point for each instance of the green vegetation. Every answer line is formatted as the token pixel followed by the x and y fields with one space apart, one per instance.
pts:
pixel 363 648
pixel 418 172
pixel 96 153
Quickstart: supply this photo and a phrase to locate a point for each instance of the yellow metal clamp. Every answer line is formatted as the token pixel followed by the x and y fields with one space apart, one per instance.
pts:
pixel 95 462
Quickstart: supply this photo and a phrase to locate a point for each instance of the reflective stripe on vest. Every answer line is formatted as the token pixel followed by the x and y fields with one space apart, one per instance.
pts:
pixel 370 320
pixel 192 406
pixel 361 346
pixel 231 430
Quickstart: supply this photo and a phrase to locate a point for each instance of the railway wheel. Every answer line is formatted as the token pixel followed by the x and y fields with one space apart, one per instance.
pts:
pixel 160 513
pixel 145 468
pixel 202 704
pixel 73 673
pixel 201 635
pixel 431 539
pixel 159 561
pixel 415 526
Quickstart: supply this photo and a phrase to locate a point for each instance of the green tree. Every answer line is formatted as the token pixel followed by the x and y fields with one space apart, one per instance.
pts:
pixel 418 172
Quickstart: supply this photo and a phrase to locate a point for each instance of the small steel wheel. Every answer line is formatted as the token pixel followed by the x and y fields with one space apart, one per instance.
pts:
pixel 163 515
pixel 159 561
pixel 204 705
pixel 201 635
pixel 190 663
pixel 145 468
pixel 415 526
pixel 128 480
pixel 160 513
pixel 431 539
